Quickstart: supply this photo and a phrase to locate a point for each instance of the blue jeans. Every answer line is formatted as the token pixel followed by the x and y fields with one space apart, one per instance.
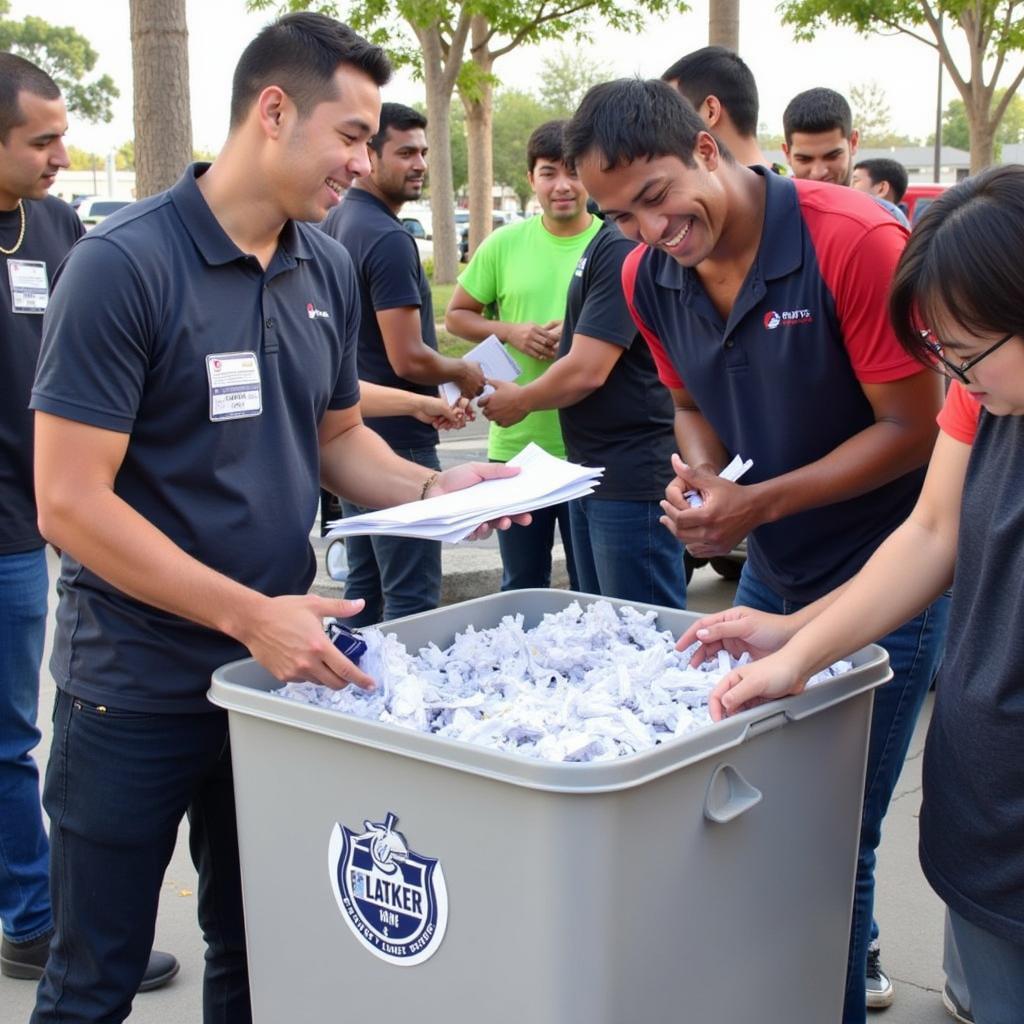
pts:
pixel 24 888
pixel 915 650
pixel 117 786
pixel 395 576
pixel 526 550
pixel 623 551
pixel 994 972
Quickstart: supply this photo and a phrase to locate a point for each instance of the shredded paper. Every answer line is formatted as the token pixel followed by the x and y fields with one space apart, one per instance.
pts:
pixel 586 684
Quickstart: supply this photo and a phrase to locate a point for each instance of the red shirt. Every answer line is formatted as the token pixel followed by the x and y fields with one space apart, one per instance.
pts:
pixel 959 415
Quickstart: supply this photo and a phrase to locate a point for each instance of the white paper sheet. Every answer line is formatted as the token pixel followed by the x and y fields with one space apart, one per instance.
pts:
pixel 544 480
pixel 732 473
pixel 494 360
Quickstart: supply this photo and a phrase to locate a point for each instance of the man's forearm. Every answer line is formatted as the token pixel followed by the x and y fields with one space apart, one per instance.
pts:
pixel 361 467
pixel 565 384
pixel 100 530
pixel 698 443
pixel 464 323
pixel 425 366
pixel 877 455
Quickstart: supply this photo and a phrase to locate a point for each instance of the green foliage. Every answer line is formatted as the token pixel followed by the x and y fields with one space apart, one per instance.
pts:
pixel 516 114
pixel 566 78
pixel 66 57
pixel 955 130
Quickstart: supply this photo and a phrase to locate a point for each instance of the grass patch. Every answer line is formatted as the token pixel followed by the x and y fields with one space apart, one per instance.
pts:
pixel 449 345
pixel 442 295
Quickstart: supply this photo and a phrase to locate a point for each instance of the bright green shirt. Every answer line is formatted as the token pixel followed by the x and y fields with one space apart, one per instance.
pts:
pixel 526 271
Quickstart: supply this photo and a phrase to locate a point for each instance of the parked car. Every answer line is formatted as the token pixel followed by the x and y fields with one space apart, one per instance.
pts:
pixel 918 197
pixel 499 219
pixel 93 209
pixel 416 228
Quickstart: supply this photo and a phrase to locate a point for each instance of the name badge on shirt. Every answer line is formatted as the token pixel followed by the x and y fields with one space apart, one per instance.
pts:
pixel 235 390
pixel 30 286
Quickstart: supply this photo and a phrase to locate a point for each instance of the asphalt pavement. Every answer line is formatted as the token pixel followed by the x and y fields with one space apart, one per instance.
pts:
pixel 909 914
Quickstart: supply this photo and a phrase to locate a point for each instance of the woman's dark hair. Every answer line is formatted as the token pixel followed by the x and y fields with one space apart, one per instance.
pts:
pixel 963 262
pixel 300 53
pixel 632 119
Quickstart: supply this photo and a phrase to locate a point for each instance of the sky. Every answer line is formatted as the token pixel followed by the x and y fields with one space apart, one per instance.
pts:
pixel 219 29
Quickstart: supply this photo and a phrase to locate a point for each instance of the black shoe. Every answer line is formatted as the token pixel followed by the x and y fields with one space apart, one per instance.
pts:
pixel 954 1007
pixel 878 988
pixel 27 960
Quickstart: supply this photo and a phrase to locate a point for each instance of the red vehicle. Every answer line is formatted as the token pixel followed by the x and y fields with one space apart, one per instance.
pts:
pixel 918 197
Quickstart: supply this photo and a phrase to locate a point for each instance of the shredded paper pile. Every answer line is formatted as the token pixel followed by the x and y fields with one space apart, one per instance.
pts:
pixel 587 684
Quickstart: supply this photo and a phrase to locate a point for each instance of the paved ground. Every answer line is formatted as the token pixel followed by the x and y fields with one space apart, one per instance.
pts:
pixel 908 912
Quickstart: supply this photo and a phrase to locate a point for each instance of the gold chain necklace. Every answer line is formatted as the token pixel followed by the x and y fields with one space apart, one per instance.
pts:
pixel 21 233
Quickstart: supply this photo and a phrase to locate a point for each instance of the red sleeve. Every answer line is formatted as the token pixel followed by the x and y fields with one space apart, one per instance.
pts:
pixel 666 371
pixel 959 414
pixel 858 245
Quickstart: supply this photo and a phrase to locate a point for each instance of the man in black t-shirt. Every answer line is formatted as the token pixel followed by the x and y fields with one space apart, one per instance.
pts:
pixel 36 232
pixel 395 576
pixel 614 413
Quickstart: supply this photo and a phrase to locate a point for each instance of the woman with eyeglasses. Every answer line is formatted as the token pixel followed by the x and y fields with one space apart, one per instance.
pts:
pixel 957 303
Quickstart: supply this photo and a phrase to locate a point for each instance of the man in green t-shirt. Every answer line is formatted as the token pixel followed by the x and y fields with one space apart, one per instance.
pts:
pixel 524 269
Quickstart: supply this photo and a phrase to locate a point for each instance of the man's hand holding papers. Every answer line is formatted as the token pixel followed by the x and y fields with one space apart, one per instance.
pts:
pixel 468 501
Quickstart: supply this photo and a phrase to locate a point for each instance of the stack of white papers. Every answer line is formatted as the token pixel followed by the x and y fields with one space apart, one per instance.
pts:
pixel 543 480
pixel 493 359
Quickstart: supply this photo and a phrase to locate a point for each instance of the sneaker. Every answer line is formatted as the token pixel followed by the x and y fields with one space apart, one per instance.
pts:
pixel 953 1007
pixel 878 988
pixel 26 960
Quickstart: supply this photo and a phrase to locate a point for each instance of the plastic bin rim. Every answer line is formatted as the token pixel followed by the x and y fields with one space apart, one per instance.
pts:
pixel 553 776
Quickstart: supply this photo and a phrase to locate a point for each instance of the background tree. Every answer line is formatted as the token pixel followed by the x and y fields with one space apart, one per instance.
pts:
pixel 516 114
pixel 566 77
pixel 993 30
pixel 956 131
pixel 724 24
pixel 441 28
pixel 873 118
pixel 162 115
pixel 498 28
pixel 66 57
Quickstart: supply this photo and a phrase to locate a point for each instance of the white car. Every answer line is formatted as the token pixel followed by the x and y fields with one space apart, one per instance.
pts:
pixel 93 209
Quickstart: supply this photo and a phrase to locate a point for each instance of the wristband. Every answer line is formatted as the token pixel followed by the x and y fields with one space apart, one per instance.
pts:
pixel 428 483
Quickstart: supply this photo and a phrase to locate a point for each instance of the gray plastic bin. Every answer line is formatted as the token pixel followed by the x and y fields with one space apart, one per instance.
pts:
pixel 707 881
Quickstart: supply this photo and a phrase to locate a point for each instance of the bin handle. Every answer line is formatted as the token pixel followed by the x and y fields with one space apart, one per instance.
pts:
pixel 729 795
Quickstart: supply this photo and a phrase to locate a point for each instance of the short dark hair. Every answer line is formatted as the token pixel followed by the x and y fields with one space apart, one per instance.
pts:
pixel 397 116
pixel 881 168
pixel 962 261
pixel 633 119
pixel 817 110
pixel 300 53
pixel 546 142
pixel 18 75
pixel 718 71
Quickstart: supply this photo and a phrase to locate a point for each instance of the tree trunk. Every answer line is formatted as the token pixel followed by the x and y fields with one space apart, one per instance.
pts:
pixel 439 141
pixel 479 117
pixel 724 24
pixel 163 120
pixel 982 131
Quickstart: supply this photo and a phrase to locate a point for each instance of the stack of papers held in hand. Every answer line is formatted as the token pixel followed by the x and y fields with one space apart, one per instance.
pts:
pixel 543 480
pixel 494 360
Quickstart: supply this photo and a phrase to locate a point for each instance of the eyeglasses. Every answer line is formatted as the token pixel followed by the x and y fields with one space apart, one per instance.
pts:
pixel 959 370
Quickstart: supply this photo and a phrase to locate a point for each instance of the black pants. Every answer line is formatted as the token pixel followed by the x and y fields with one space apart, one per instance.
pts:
pixel 117 786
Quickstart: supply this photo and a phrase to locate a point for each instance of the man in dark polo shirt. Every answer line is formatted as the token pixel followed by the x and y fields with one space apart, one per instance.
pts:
pixel 615 413
pixel 395 576
pixel 196 383
pixel 36 233
pixel 764 303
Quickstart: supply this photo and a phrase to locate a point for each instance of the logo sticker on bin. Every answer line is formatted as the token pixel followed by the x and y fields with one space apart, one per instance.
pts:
pixel 394 899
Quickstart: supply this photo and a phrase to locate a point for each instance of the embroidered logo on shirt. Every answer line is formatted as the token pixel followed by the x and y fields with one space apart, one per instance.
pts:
pixel 394 899
pixel 580 266
pixel 789 318
pixel 313 313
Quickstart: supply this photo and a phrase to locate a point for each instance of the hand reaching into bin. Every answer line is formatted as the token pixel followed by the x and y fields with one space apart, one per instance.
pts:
pixel 738 630
pixel 779 675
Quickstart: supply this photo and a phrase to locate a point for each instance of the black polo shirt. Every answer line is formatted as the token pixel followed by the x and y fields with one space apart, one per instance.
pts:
pixel 390 276
pixel 145 307
pixel 51 228
pixel 626 424
pixel 780 380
